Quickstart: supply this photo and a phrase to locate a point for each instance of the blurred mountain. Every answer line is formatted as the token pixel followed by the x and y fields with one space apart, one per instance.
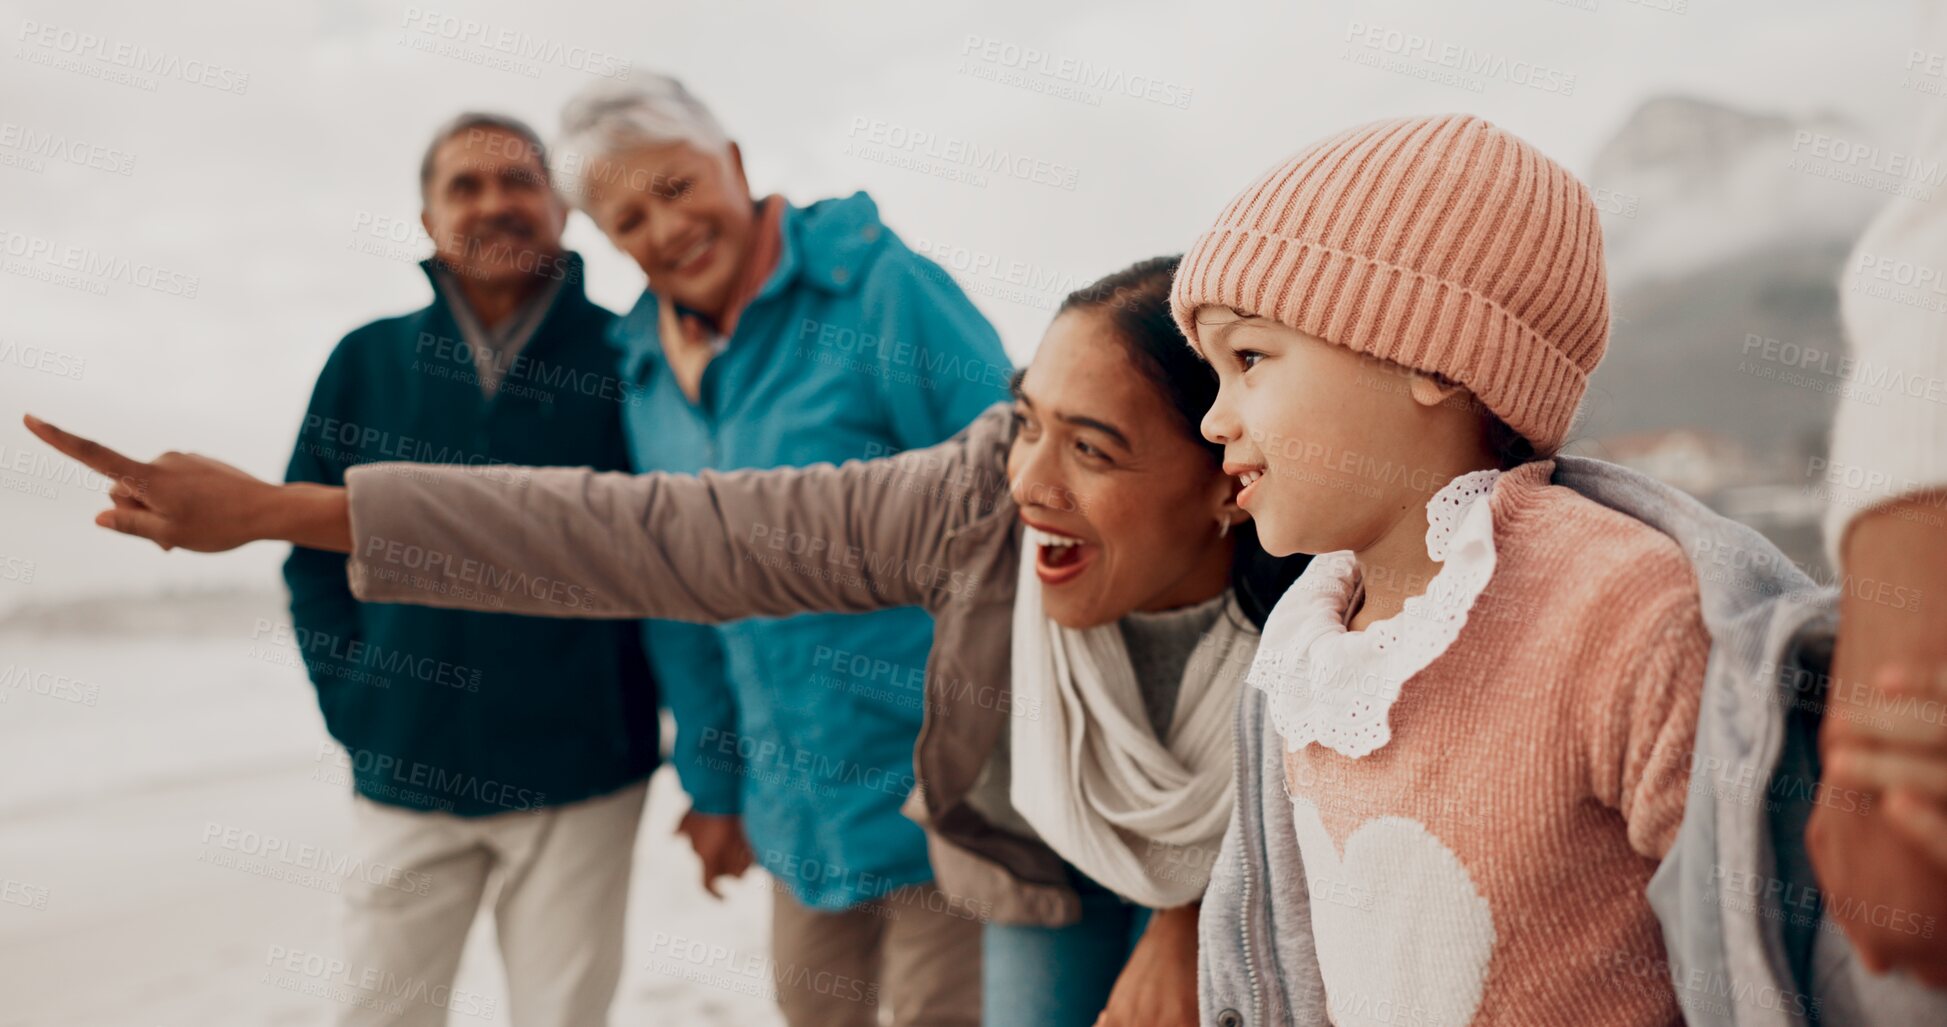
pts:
pixel 1692 183
pixel 1724 260
pixel 1689 352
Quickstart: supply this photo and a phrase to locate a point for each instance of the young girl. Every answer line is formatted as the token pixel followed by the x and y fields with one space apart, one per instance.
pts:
pixel 1485 692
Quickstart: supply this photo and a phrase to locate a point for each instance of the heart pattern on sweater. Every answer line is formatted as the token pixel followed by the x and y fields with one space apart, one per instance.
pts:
pixel 1403 934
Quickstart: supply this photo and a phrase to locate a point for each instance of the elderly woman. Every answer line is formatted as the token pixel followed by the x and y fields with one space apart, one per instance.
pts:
pixel 777 335
pixel 1096 594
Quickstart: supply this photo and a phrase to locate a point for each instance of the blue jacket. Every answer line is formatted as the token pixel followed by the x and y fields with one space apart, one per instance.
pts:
pixel 1735 957
pixel 469 713
pixel 855 347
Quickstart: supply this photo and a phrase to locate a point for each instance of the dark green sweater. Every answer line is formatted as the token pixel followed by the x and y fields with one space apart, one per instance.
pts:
pixel 470 713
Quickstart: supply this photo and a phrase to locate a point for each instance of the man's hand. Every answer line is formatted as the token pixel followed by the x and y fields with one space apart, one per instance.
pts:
pixel 719 842
pixel 185 501
pixel 1158 987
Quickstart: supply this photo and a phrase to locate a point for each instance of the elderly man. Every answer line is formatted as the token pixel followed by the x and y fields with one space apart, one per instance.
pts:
pixel 486 748
pixel 773 335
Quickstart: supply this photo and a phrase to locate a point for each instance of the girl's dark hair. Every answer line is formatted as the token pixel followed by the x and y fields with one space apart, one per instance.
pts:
pixel 1508 445
pixel 1136 302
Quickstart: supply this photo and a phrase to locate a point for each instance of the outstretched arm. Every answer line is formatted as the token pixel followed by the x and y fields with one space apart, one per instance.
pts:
pixel 571 542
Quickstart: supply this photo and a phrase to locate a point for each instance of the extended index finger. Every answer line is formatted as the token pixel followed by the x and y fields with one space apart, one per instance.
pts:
pixel 95 455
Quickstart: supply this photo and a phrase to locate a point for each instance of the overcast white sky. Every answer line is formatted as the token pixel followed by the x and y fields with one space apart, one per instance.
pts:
pixel 262 197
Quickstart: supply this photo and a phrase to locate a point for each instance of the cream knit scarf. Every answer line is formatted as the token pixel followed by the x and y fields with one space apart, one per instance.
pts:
pixel 1142 816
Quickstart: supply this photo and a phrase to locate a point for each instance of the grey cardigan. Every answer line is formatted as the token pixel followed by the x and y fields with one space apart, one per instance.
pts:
pixel 1732 962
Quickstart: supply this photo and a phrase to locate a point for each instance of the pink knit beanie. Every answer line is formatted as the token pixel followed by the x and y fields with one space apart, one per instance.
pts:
pixel 1444 244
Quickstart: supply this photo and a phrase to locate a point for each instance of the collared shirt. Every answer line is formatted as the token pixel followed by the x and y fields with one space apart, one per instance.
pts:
pixel 495 349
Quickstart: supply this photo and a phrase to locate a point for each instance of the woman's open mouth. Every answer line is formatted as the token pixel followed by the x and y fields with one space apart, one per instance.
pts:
pixel 1058 558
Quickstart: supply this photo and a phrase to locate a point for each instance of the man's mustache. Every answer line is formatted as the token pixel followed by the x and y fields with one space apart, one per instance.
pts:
pixel 505 224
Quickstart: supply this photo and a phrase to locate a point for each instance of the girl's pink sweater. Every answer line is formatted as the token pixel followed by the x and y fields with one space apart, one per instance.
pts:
pixel 1488 863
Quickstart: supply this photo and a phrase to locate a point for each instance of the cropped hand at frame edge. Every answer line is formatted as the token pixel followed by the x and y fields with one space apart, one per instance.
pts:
pixel 1899 747
pixel 185 501
pixel 1883 850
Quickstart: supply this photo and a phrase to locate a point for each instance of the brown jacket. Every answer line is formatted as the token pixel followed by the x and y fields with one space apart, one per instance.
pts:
pixel 932 527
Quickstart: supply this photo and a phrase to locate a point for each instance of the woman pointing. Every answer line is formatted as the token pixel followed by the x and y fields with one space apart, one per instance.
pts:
pixel 1095 590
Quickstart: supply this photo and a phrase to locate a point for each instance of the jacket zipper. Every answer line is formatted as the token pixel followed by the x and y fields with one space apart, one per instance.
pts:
pixel 1243 856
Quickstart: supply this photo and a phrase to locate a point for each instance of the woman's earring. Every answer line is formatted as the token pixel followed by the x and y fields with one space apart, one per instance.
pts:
pixel 1223 526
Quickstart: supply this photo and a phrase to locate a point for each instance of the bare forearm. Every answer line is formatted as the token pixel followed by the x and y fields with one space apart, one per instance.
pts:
pixel 312 516
pixel 1894 604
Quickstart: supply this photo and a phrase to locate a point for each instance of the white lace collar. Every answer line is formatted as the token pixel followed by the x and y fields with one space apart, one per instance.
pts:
pixel 1335 687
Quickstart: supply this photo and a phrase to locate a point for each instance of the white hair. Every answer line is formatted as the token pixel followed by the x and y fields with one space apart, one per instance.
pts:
pixel 612 117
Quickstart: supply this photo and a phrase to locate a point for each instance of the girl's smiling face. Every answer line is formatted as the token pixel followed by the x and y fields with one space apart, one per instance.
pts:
pixel 1333 447
pixel 1120 503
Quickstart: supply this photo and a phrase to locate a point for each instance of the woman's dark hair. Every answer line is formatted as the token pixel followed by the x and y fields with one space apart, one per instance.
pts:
pixel 1136 302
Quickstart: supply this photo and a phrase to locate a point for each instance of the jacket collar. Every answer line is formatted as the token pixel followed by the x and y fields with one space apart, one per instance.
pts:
pixel 825 246
pixel 572 290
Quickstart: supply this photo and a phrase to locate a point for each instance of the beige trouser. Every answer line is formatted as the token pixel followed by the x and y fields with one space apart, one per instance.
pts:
pixel 563 876
pixel 911 951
